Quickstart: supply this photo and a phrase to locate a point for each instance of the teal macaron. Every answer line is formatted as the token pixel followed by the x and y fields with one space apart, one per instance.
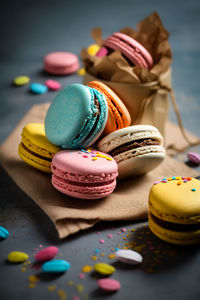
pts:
pixel 76 117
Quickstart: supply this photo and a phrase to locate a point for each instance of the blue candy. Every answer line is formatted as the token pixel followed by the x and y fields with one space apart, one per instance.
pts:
pixel 38 88
pixel 3 233
pixel 56 266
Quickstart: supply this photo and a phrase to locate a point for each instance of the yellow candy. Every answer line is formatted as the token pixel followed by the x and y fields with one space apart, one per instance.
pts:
pixel 81 72
pixel 111 256
pixel 86 269
pixel 93 49
pixel 21 80
pixel 104 269
pixel 17 257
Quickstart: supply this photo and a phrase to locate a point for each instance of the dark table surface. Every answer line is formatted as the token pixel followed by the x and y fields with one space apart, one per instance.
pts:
pixel 29 30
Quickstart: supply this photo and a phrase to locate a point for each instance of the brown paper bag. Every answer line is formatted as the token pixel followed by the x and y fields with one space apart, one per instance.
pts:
pixel 144 92
pixel 147 103
pixel 69 215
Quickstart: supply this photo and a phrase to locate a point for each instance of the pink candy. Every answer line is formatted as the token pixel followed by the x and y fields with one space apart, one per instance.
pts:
pixel 47 253
pixel 109 285
pixel 194 157
pixel 101 241
pixel 53 85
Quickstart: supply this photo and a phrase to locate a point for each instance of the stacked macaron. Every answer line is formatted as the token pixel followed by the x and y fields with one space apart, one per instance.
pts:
pixel 134 52
pixel 94 116
pixel 80 117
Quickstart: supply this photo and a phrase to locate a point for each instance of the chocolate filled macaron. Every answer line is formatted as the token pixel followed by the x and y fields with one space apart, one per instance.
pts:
pixel 174 210
pixel 137 149
pixel 76 117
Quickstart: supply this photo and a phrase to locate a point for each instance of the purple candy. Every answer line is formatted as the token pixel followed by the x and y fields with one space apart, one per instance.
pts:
pixel 194 157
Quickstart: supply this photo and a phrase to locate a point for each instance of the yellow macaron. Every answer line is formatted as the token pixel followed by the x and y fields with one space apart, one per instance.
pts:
pixel 174 210
pixel 35 149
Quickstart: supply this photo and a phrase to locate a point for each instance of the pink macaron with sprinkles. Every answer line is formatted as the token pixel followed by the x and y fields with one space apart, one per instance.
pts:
pixel 130 48
pixel 61 63
pixel 84 174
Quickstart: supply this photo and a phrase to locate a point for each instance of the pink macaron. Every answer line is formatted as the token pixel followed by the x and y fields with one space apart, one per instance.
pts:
pixel 84 174
pixel 130 48
pixel 61 63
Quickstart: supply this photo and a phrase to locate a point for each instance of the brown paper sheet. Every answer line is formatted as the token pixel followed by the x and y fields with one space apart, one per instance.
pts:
pixel 128 201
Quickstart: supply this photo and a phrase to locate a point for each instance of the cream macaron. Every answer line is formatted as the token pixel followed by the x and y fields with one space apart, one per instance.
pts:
pixel 137 149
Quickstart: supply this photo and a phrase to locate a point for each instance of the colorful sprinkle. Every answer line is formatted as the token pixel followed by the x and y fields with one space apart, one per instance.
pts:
pixel 76 297
pixel 123 229
pixel 81 72
pixel 80 288
pixel 86 268
pixel 96 250
pixel 110 235
pixel 85 156
pixel 62 294
pixel 193 190
pixel 111 256
pixel 94 257
pixel 33 278
pixel 101 241
pixel 51 288
pixel 81 276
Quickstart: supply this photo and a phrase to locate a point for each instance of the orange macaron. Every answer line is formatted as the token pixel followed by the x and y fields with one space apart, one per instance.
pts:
pixel 118 115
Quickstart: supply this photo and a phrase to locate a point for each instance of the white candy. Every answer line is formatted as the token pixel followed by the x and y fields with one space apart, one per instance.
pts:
pixel 129 257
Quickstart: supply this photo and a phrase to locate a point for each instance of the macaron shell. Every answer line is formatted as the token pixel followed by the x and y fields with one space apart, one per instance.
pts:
pixel 174 237
pixel 34 138
pixel 100 122
pixel 34 161
pixel 83 191
pixel 68 115
pixel 81 163
pixel 118 115
pixel 176 203
pixel 131 163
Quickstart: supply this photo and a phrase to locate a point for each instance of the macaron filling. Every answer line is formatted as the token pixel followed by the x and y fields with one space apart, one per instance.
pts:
pixel 174 226
pixel 89 184
pixel 133 145
pixel 114 110
pixel 35 154
pixel 100 115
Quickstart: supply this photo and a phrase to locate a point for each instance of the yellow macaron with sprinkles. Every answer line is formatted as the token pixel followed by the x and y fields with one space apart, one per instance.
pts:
pixel 35 149
pixel 174 210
